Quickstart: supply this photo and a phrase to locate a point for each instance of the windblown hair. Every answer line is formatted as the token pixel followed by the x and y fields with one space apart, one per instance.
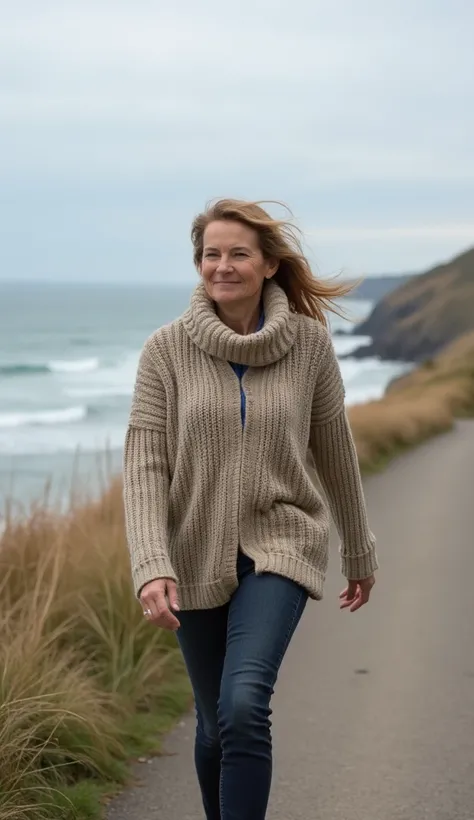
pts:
pixel 279 240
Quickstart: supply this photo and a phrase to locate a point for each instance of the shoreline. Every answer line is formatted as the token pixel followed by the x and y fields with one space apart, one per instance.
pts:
pixel 27 479
pixel 427 408
pixel 107 686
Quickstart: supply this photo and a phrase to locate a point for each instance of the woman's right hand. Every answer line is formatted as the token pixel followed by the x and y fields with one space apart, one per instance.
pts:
pixel 158 598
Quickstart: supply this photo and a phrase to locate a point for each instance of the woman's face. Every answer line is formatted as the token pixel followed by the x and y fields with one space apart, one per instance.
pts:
pixel 233 268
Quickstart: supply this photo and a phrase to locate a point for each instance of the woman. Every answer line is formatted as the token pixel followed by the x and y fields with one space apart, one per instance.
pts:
pixel 228 535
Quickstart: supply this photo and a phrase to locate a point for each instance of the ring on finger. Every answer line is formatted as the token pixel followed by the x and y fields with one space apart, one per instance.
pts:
pixel 147 613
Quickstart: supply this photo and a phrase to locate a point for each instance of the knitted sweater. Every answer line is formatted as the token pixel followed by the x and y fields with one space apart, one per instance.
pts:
pixel 198 486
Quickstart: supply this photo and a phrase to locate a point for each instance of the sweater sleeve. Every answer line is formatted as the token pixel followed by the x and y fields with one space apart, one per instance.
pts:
pixel 337 465
pixel 146 477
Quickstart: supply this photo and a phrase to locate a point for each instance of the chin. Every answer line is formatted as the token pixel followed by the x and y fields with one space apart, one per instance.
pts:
pixel 227 294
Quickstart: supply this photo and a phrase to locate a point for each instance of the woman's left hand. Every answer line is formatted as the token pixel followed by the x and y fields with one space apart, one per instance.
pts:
pixel 356 594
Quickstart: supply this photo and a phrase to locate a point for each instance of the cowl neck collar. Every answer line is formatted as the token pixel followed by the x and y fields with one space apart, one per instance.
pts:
pixel 264 347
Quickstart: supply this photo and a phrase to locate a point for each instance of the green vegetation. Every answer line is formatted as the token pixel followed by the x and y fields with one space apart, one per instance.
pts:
pixel 86 682
pixel 421 404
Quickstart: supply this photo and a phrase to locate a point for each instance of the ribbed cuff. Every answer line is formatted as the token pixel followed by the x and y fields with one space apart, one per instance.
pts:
pixel 157 567
pixel 358 567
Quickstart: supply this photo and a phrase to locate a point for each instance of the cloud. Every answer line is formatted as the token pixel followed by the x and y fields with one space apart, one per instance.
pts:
pixel 332 91
pixel 321 103
pixel 461 233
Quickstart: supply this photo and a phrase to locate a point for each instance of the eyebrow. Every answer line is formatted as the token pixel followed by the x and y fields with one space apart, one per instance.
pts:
pixel 235 248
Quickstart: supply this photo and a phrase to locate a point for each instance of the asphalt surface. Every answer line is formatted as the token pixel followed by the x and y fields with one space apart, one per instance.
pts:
pixel 373 711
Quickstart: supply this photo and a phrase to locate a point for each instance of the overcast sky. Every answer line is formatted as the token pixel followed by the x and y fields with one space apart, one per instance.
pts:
pixel 120 119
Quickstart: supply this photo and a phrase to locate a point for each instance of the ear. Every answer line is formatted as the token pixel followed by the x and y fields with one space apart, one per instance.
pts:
pixel 273 265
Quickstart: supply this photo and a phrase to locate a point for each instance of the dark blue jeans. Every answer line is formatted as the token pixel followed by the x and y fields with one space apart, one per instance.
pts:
pixel 233 654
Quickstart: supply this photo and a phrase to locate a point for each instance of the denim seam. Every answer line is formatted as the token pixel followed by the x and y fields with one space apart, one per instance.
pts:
pixel 221 802
pixel 291 627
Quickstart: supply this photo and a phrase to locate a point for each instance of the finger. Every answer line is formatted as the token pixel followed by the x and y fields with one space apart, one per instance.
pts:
pixel 146 604
pixel 172 593
pixel 350 592
pixel 156 603
pixel 151 589
pixel 166 619
pixel 352 589
pixel 349 602
pixel 150 603
pixel 353 595
pixel 163 617
pixel 362 599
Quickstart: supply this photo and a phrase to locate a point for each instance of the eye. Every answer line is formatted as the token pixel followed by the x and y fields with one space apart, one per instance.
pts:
pixel 241 253
pixel 209 254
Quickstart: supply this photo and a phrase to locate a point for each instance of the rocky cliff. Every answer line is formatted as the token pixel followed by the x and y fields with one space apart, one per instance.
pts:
pixel 418 319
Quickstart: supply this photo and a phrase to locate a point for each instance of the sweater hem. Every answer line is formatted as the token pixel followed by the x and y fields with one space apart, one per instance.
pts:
pixel 219 593
pixel 206 596
pixel 306 575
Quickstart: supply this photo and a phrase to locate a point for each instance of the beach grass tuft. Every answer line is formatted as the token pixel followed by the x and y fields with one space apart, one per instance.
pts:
pixel 86 683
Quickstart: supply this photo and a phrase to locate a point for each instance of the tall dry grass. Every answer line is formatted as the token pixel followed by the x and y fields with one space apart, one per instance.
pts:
pixel 85 680
pixel 422 404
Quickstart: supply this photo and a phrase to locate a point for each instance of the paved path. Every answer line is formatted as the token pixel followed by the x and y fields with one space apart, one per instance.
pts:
pixel 373 712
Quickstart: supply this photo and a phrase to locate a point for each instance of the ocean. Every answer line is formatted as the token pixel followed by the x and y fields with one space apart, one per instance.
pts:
pixel 68 357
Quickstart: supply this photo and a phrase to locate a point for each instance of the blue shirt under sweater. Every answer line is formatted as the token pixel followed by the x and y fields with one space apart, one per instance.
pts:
pixel 239 370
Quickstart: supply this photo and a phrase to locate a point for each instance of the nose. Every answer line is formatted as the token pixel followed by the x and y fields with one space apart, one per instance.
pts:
pixel 224 265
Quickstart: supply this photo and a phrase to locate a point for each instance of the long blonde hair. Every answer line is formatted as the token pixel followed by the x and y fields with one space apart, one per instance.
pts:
pixel 279 240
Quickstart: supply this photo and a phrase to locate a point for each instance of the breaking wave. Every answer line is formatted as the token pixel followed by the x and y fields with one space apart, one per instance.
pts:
pixel 68 415
pixel 55 366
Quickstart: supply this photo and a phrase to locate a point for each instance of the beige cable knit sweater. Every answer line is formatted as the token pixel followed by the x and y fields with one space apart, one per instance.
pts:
pixel 197 486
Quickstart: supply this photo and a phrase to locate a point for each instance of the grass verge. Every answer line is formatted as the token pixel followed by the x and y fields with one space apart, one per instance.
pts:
pixel 422 404
pixel 86 684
